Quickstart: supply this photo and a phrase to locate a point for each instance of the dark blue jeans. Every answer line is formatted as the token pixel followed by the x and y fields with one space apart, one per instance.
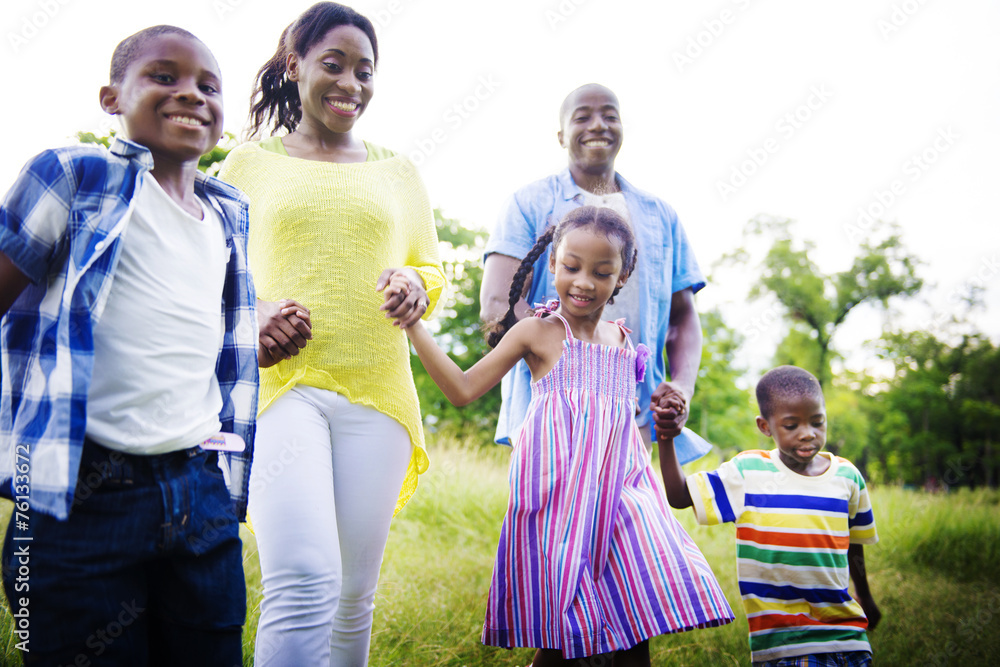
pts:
pixel 147 570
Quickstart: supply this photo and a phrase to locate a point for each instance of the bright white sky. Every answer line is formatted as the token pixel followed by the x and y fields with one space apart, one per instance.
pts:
pixel 838 101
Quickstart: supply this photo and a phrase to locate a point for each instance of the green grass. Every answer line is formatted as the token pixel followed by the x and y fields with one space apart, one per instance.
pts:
pixel 933 574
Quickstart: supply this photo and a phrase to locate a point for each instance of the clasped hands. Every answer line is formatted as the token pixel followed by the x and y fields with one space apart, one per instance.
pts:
pixel 285 326
pixel 406 300
pixel 670 410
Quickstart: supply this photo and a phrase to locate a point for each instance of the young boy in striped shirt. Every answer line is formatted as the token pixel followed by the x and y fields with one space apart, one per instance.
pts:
pixel 802 517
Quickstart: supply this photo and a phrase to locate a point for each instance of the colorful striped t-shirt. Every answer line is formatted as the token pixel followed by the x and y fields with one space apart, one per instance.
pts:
pixel 792 534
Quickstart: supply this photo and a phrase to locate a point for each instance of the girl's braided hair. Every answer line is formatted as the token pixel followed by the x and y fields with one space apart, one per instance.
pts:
pixel 275 99
pixel 604 220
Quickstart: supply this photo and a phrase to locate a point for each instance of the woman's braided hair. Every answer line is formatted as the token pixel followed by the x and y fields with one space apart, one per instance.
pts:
pixel 605 221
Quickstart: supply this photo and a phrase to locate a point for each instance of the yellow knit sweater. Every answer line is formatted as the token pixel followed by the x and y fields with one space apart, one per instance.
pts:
pixel 321 233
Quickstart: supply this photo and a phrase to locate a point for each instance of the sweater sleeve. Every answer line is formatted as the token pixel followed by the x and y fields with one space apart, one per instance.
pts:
pixel 424 255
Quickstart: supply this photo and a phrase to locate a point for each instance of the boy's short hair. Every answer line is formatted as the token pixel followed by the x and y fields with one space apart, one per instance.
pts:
pixel 785 382
pixel 130 47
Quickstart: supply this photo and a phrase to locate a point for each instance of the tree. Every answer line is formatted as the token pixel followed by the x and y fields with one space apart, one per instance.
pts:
pixel 458 331
pixel 210 162
pixel 722 412
pixel 818 304
pixel 938 417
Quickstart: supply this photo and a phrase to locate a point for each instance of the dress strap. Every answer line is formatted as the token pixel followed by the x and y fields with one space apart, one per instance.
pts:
pixel 642 353
pixel 625 331
pixel 549 308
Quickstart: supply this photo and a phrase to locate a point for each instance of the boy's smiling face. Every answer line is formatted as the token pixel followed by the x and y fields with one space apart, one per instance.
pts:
pixel 170 99
pixel 798 426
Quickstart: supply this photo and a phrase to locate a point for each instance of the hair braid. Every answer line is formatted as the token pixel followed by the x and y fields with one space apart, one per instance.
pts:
pixel 626 271
pixel 496 330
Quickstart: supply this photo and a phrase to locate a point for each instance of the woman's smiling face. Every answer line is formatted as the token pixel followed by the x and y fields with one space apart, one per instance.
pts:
pixel 336 79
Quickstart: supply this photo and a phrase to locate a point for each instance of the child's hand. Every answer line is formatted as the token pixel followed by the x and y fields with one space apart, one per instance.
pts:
pixel 871 610
pixel 406 300
pixel 285 328
pixel 669 406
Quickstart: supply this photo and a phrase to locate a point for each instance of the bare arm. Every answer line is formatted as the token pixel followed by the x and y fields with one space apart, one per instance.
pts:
pixel 859 575
pixel 462 387
pixel 12 283
pixel 683 359
pixel 674 479
pixel 684 341
pixel 494 293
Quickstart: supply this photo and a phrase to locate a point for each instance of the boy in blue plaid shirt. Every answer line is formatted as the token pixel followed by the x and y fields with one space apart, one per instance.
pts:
pixel 129 361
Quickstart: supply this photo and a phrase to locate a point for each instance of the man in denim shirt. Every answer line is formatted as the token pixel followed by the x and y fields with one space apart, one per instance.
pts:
pixel 657 303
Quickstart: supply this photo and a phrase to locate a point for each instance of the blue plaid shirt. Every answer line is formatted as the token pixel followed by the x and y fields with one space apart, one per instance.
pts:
pixel 62 224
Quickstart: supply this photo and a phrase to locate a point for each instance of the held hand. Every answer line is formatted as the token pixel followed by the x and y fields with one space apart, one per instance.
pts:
pixel 871 610
pixel 670 409
pixel 285 328
pixel 406 300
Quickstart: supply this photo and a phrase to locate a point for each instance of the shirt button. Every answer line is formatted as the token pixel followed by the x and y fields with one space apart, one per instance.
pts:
pixel 100 245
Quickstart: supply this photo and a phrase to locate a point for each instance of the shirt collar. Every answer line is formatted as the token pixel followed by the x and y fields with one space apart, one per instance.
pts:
pixel 570 189
pixel 131 150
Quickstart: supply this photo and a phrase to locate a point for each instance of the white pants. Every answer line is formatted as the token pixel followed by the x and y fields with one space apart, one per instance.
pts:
pixel 325 479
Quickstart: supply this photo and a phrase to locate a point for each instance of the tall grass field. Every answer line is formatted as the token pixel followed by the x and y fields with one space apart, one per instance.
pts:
pixel 934 574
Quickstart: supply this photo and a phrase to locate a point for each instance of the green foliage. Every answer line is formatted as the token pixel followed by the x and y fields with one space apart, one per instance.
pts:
pixel 959 536
pixel 458 332
pixel 721 412
pixel 210 162
pixel 820 303
pixel 91 138
pixel 849 424
pixel 937 419
pixel 932 574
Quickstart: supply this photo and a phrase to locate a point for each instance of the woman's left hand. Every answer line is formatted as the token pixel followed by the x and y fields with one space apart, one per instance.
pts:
pixel 406 300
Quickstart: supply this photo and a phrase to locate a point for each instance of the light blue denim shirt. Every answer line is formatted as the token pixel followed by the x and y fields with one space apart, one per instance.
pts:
pixel 62 224
pixel 666 265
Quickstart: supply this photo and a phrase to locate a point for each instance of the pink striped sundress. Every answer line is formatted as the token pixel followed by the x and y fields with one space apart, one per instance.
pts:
pixel 590 559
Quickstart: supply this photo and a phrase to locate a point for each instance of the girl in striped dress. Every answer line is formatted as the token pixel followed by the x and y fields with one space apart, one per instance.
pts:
pixel 590 560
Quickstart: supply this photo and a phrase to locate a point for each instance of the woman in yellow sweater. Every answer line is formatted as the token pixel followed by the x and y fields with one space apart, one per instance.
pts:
pixel 339 435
